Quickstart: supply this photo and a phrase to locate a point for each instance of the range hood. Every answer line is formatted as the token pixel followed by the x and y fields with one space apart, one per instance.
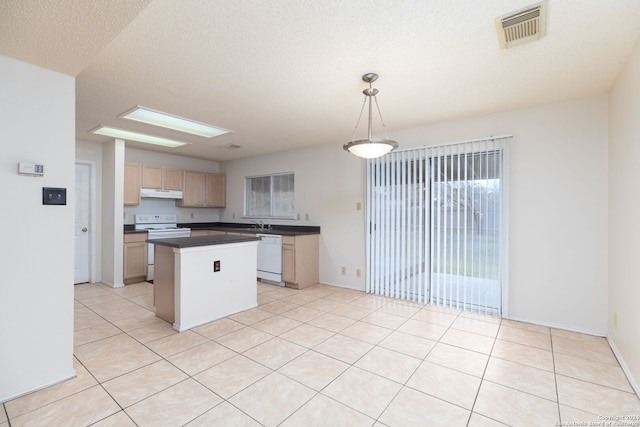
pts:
pixel 160 194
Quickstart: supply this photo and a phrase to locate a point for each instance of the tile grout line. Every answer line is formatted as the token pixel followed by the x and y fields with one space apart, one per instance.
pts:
pixel 482 380
pixel 335 333
pixel 172 385
pixel 326 310
pixel 555 376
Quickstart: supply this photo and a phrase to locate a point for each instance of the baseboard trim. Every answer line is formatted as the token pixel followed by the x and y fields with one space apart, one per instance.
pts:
pixel 73 374
pixel 337 285
pixel 625 368
pixel 112 285
pixel 558 326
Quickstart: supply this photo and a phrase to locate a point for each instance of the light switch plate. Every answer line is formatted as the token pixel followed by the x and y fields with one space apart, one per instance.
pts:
pixel 54 196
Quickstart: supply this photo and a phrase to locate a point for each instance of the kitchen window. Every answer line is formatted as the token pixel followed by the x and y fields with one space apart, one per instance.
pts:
pixel 270 196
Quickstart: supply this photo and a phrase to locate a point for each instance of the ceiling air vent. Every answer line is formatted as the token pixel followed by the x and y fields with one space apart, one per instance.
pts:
pixel 230 147
pixel 523 26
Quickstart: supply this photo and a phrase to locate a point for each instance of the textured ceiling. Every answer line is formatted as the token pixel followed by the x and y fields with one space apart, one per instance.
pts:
pixel 286 73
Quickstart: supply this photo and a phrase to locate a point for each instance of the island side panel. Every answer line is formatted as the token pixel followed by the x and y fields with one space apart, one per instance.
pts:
pixel 204 295
pixel 163 283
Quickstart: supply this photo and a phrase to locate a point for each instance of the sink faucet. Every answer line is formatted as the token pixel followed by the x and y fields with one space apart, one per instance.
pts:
pixel 259 224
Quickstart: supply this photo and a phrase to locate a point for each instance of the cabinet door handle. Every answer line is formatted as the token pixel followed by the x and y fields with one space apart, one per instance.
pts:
pixel 84 229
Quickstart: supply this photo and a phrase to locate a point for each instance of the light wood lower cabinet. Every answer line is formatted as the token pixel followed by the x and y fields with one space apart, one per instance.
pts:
pixel 300 260
pixel 300 257
pixel 288 263
pixel 135 257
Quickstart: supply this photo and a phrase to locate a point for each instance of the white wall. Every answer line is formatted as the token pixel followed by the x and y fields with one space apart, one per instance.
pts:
pixel 624 212
pixel 557 206
pixel 37 116
pixel 157 206
pixel 328 184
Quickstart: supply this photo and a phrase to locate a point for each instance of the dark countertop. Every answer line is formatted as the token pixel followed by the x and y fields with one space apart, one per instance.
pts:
pixel 238 227
pixel 130 229
pixel 192 242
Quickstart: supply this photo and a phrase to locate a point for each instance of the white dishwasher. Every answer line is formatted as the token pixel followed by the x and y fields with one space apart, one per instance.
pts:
pixel 270 258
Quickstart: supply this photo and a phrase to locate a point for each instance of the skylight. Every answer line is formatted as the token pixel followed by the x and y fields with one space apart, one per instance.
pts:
pixel 135 136
pixel 157 118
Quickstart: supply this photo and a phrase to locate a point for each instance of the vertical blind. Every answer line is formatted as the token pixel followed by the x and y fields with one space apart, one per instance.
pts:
pixel 270 196
pixel 437 224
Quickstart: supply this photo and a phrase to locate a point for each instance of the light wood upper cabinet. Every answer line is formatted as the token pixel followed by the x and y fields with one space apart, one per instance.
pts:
pixel 216 188
pixel 152 177
pixel 193 194
pixel 203 190
pixel 131 184
pixel 173 179
pixel 161 178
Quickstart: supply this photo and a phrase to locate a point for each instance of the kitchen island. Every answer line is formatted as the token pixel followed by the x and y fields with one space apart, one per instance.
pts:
pixel 204 278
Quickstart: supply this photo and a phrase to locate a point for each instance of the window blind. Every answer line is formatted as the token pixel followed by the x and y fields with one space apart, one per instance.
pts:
pixel 270 196
pixel 437 225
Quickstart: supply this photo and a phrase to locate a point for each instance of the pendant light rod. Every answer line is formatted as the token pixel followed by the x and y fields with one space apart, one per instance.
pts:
pixel 370 93
pixel 369 129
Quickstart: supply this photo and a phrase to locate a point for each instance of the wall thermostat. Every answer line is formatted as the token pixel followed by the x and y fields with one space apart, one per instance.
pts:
pixel 33 169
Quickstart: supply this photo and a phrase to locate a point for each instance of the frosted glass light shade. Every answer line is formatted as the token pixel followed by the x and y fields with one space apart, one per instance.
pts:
pixel 369 149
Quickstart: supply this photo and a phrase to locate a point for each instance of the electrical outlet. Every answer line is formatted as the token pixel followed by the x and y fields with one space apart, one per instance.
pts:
pixel 358 206
pixel 358 274
pixel 298 217
pixel 615 320
pixel 344 271
pixel 192 215
pixel 306 217
pixel 233 216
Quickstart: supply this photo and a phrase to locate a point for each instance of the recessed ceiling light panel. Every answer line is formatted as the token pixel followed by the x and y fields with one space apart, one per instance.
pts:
pixel 135 136
pixel 169 121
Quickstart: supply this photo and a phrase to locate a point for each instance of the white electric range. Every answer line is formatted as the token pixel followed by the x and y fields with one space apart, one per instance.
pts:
pixel 158 227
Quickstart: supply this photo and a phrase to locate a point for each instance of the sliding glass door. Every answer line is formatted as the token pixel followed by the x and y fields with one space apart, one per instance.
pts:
pixel 436 225
pixel 397 211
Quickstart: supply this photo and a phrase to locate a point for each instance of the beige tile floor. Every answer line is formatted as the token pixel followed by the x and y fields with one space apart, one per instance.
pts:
pixel 323 356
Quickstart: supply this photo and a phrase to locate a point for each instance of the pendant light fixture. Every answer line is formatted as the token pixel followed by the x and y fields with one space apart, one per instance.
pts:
pixel 369 148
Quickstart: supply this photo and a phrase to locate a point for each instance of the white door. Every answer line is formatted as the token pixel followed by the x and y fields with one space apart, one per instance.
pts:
pixel 81 227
